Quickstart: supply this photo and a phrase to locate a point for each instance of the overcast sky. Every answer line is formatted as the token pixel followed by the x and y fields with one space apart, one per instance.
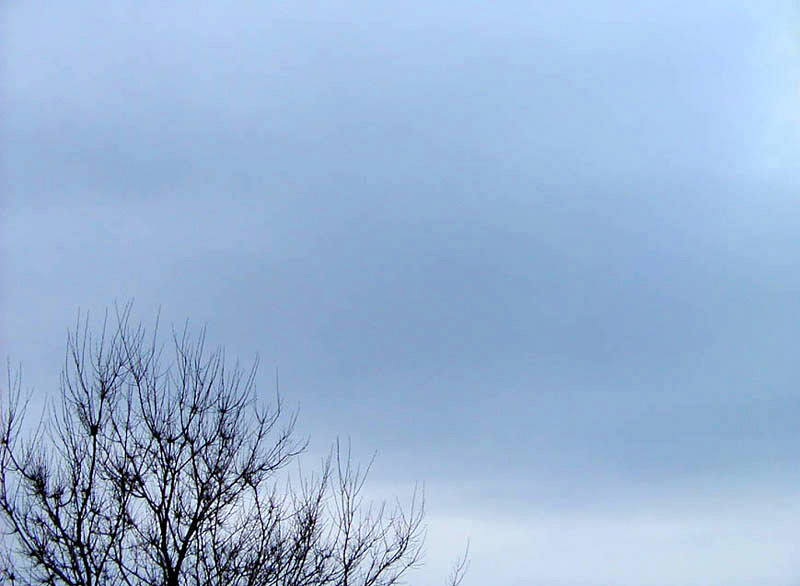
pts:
pixel 545 260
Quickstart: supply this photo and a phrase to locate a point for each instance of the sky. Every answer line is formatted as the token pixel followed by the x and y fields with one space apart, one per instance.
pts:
pixel 541 258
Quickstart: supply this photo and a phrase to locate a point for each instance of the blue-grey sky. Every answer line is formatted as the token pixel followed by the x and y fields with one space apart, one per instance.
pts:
pixel 545 259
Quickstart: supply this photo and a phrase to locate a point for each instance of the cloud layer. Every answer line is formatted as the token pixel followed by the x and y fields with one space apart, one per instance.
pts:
pixel 542 258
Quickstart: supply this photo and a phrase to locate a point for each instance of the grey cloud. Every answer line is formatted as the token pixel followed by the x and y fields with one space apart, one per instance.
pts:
pixel 536 255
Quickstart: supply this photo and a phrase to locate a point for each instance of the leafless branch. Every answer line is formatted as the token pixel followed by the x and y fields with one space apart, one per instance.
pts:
pixel 167 472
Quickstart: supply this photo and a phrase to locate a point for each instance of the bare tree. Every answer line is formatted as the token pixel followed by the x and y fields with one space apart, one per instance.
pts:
pixel 153 472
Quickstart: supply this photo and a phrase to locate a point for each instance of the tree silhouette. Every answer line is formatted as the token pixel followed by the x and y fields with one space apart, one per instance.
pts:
pixel 152 472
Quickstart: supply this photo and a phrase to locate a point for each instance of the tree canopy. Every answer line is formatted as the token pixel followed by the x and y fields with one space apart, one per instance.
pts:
pixel 158 464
